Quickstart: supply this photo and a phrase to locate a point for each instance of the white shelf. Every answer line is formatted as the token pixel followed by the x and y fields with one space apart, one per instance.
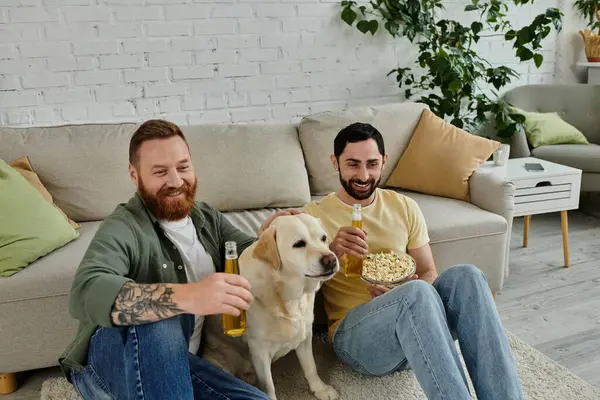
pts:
pixel 588 64
pixel 593 71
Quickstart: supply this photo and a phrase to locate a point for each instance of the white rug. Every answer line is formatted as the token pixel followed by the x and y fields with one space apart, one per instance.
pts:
pixel 542 379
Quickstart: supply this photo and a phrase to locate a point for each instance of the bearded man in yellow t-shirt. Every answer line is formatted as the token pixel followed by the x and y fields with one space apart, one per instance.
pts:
pixel 377 331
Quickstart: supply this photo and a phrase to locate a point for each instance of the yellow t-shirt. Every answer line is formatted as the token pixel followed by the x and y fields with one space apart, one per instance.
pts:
pixel 392 222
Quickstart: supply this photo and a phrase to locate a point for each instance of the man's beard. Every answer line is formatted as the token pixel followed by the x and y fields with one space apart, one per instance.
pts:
pixel 359 195
pixel 168 209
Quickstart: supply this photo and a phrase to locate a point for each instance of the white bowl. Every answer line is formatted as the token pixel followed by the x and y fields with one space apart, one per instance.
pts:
pixel 396 283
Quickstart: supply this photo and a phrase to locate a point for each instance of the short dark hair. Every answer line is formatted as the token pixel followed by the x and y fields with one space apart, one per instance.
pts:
pixel 357 132
pixel 149 130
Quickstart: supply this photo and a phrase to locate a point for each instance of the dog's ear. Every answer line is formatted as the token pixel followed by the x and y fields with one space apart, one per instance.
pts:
pixel 266 248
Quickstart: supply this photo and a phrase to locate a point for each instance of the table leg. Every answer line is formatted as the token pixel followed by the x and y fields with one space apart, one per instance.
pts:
pixel 564 222
pixel 526 220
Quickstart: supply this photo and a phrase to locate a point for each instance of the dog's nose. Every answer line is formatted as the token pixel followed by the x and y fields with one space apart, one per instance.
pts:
pixel 328 261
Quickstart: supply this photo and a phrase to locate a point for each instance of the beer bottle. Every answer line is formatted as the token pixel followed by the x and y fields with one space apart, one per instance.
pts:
pixel 353 265
pixel 233 326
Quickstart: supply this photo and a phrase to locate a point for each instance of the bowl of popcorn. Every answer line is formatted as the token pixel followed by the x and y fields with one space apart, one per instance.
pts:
pixel 389 269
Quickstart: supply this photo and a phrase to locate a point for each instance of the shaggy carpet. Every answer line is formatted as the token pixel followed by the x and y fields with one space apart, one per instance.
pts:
pixel 541 378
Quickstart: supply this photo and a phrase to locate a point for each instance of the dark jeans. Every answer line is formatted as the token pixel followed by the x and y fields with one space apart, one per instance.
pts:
pixel 152 362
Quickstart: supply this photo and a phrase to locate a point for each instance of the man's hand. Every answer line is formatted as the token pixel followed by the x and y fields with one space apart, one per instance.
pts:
pixel 267 223
pixel 378 290
pixel 218 293
pixel 350 240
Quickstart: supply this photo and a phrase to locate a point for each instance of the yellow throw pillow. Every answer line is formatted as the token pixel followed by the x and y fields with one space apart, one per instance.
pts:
pixel 23 167
pixel 440 158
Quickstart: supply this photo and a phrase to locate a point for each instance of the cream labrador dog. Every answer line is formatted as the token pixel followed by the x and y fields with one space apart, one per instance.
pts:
pixel 285 267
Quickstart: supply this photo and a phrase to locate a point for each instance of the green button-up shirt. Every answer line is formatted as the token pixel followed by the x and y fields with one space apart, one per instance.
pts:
pixel 130 246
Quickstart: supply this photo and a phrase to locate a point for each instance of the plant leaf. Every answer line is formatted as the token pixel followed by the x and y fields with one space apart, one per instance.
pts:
pixel 524 36
pixel 349 16
pixel 363 26
pixel 524 53
pixel 539 59
pixel 476 27
pixel 518 118
pixel 510 35
pixel 392 27
pixel 373 26
pixel 455 85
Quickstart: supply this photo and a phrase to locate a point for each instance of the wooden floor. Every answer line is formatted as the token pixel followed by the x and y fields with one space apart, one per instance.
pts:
pixel 554 309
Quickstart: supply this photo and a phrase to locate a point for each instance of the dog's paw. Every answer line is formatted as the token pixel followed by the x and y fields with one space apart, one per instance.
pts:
pixel 327 393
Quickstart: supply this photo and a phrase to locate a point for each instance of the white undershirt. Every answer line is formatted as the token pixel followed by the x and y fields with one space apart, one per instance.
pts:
pixel 198 263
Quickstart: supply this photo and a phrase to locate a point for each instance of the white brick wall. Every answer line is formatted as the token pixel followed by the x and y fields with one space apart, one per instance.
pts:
pixel 203 61
pixel 570 47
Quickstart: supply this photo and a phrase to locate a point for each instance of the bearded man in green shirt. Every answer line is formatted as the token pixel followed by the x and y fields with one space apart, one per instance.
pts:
pixel 152 272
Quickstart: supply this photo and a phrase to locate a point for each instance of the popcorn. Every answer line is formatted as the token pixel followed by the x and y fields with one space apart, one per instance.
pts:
pixel 387 267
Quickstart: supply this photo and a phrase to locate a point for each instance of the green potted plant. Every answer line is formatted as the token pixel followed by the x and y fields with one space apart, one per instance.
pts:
pixel 588 9
pixel 455 80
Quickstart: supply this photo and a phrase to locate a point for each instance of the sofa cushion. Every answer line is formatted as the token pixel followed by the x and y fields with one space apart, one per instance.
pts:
pixel 30 226
pixel 84 167
pixel 51 275
pixel 396 122
pixel 249 221
pixel 576 103
pixel 440 159
pixel 248 166
pixel 585 157
pixel 549 128
pixel 449 219
pixel 23 166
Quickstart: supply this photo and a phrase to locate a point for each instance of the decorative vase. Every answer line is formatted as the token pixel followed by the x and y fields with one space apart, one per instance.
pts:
pixel 592 45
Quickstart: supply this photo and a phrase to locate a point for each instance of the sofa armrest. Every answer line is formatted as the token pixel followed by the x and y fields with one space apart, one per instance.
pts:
pixel 491 192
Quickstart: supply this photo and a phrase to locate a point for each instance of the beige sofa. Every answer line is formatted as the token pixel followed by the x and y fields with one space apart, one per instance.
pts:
pixel 246 171
pixel 578 104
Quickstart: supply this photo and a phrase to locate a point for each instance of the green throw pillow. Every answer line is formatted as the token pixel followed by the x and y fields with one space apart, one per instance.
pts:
pixel 549 128
pixel 30 227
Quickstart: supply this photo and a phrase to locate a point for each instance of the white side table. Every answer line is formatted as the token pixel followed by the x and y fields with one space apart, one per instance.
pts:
pixel 554 189
pixel 593 70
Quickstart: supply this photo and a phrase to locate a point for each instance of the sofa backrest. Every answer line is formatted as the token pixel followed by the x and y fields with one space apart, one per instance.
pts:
pixel 396 122
pixel 84 167
pixel 578 104
pixel 248 166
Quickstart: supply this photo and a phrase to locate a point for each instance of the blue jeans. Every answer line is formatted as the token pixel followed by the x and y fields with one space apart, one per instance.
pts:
pixel 152 362
pixel 414 326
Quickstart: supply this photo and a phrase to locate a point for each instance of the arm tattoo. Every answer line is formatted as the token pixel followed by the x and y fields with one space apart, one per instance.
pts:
pixel 138 304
